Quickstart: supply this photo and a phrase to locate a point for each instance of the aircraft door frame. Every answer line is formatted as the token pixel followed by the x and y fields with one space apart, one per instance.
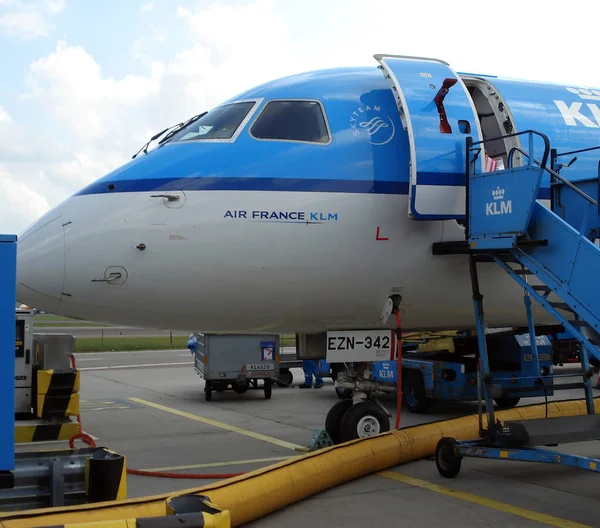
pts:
pixel 438 114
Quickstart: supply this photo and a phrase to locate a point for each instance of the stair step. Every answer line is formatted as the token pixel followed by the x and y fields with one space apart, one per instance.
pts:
pixel 523 272
pixel 541 287
pixel 554 431
pixel 562 306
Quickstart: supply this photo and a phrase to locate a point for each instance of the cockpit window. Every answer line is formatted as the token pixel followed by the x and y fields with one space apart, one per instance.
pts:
pixel 220 123
pixel 291 121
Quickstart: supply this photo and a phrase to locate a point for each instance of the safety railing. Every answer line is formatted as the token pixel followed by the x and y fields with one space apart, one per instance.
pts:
pixel 553 172
pixel 473 152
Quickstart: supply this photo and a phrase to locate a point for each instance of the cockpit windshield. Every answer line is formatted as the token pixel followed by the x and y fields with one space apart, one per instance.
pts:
pixel 219 123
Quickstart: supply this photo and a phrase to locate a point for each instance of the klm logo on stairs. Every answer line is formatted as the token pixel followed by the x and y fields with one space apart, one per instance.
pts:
pixel 498 206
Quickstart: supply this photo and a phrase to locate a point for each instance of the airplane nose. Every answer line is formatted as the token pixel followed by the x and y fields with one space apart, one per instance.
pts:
pixel 41 264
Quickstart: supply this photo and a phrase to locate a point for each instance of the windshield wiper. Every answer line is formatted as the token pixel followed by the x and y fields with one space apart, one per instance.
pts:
pixel 180 126
pixel 145 147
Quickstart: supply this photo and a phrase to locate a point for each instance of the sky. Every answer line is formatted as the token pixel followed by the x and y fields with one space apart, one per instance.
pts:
pixel 85 83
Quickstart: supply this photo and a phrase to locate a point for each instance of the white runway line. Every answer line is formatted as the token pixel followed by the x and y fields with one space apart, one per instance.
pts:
pixel 141 365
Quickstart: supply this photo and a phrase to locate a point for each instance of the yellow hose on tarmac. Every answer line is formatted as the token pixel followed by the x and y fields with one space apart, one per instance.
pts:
pixel 263 491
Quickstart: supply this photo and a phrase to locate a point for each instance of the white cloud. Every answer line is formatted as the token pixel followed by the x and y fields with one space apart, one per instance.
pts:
pixel 4 116
pixel 28 19
pixel 25 24
pixel 147 6
pixel 20 203
pixel 54 6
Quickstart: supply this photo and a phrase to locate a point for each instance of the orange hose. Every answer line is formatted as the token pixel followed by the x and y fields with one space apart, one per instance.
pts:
pixel 161 474
pixel 398 368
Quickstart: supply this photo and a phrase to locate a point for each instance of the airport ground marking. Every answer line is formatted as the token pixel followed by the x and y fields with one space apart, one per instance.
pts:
pixel 220 425
pixel 222 464
pixel 141 365
pixel 483 501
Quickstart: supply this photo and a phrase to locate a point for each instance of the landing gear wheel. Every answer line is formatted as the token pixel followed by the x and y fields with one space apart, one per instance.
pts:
pixel 208 390
pixel 333 422
pixel 362 420
pixel 413 388
pixel 286 378
pixel 447 461
pixel 507 403
pixel 268 389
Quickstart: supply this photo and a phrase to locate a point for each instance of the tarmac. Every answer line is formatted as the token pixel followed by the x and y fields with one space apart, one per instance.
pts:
pixel 150 407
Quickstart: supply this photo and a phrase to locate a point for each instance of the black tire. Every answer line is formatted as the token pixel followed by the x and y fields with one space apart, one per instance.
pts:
pixel 241 388
pixel 268 389
pixel 208 390
pixel 447 461
pixel 333 422
pixel 593 361
pixel 413 389
pixel 285 379
pixel 343 394
pixel 362 420
pixel 220 386
pixel 507 403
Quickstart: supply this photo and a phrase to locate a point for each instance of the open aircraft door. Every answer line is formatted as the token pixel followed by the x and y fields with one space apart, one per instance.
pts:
pixel 438 113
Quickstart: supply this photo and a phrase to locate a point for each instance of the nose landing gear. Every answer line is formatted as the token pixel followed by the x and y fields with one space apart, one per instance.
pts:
pixel 359 417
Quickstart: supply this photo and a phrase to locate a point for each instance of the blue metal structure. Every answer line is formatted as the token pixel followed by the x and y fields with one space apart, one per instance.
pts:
pixel 551 253
pixel 8 280
pixel 444 376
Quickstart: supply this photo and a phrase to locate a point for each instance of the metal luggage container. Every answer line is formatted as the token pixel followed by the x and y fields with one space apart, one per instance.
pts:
pixel 235 361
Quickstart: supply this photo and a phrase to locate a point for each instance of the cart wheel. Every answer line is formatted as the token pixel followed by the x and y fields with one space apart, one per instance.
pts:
pixel 208 390
pixel 241 387
pixel 364 419
pixel 414 392
pixel 507 403
pixel 447 461
pixel 333 422
pixel 286 378
pixel 268 389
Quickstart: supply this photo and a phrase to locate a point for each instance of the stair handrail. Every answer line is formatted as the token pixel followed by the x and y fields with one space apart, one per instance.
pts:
pixel 471 144
pixel 553 172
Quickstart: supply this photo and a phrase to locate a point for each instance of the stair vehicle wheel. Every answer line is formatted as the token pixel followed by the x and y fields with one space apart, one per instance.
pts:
pixel 268 388
pixel 286 378
pixel 447 461
pixel 208 390
pixel 413 388
pixel 507 403
pixel 362 420
pixel 333 422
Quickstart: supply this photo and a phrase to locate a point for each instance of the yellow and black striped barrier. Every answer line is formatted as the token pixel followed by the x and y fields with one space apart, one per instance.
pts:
pixel 105 477
pixel 37 431
pixel 57 393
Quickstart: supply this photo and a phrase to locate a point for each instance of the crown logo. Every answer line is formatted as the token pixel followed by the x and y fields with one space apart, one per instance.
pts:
pixel 498 193
pixel 584 93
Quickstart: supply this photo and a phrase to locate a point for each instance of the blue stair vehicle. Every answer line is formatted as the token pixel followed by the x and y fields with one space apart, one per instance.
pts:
pixel 551 252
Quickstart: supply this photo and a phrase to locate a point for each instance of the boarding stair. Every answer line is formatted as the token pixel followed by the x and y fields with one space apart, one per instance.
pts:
pixel 551 252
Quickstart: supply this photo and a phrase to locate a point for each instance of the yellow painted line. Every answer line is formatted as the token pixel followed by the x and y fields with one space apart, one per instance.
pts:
pixel 220 464
pixel 220 425
pixel 483 501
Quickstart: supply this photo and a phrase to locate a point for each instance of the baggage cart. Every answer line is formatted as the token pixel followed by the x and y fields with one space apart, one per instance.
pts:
pixel 236 361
